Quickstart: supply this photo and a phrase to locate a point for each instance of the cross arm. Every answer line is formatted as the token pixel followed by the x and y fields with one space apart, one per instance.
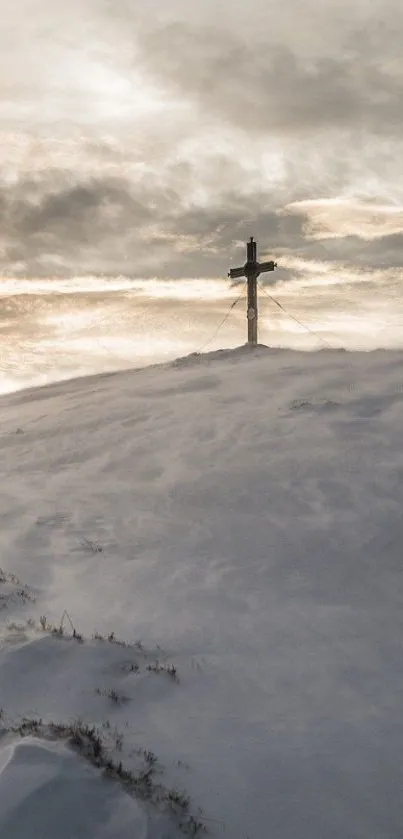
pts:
pixel 234 273
pixel 267 266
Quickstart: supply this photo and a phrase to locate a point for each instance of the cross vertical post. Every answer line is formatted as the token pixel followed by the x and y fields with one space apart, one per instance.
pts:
pixel 251 276
pixel 251 271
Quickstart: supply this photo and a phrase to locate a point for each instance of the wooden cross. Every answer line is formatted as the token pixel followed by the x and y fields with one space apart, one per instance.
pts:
pixel 251 271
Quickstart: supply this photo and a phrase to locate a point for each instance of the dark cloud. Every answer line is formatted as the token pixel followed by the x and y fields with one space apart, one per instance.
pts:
pixel 47 221
pixel 53 226
pixel 383 252
pixel 264 87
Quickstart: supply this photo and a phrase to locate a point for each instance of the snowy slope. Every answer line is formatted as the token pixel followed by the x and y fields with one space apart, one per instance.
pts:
pixel 240 515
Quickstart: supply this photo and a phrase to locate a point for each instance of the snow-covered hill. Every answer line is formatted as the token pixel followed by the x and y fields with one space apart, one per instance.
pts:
pixel 236 520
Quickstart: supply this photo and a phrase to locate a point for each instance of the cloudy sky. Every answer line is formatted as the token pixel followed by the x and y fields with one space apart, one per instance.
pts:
pixel 151 138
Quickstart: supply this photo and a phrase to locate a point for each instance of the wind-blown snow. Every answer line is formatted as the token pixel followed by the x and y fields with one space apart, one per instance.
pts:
pixel 243 510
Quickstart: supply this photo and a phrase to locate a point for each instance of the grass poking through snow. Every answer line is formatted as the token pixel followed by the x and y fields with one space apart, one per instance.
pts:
pixel 141 781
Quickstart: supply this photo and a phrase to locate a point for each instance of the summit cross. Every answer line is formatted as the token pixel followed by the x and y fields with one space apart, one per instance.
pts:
pixel 251 270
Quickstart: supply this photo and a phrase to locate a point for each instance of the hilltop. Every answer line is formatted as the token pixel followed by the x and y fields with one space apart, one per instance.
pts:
pixel 202 559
